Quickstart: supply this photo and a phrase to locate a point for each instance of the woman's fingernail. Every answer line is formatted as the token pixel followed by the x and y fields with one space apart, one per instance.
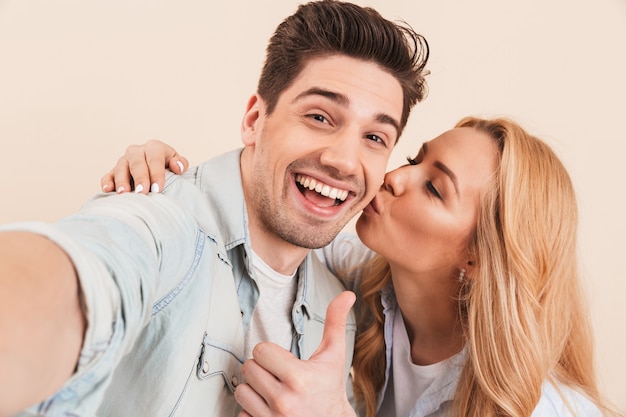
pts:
pixel 154 187
pixel 121 189
pixel 105 187
pixel 180 165
pixel 139 188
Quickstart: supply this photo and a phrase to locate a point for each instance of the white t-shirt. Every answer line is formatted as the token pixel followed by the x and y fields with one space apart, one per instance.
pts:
pixel 271 320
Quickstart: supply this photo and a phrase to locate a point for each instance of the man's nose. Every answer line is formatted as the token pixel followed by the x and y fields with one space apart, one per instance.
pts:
pixel 343 153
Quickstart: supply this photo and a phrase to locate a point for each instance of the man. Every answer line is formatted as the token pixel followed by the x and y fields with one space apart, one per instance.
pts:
pixel 148 305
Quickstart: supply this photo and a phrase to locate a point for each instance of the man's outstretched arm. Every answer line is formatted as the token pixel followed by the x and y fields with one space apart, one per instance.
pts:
pixel 41 320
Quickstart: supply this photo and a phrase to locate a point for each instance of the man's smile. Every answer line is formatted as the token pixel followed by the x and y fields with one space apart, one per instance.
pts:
pixel 308 184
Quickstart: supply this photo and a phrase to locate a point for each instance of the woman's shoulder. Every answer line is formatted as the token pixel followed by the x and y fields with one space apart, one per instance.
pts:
pixel 559 400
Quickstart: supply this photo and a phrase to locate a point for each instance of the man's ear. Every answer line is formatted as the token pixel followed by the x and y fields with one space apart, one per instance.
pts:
pixel 252 121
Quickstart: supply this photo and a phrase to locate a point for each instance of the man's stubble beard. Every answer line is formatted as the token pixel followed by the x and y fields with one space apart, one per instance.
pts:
pixel 279 222
pixel 277 218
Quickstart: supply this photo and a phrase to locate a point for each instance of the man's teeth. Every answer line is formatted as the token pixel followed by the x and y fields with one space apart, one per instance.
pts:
pixel 323 189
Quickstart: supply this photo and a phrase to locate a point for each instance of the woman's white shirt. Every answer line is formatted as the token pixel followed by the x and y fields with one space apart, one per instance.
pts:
pixel 408 381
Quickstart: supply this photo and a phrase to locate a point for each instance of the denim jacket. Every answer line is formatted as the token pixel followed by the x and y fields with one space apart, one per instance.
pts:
pixel 168 292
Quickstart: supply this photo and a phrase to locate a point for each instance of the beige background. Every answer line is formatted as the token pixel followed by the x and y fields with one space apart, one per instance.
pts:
pixel 82 79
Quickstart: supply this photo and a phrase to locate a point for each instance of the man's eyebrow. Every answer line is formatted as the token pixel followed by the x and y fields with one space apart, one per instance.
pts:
pixel 344 101
pixel 386 119
pixel 317 91
pixel 444 168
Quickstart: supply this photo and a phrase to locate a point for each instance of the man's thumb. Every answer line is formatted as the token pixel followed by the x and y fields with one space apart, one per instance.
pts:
pixel 334 338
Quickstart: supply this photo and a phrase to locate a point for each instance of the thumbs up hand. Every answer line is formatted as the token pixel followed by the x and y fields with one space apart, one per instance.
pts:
pixel 280 385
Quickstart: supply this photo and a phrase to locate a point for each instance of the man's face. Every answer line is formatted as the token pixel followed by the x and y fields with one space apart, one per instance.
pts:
pixel 320 157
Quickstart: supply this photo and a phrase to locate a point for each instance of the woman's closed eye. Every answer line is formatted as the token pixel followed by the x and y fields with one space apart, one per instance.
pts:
pixel 429 184
pixel 433 190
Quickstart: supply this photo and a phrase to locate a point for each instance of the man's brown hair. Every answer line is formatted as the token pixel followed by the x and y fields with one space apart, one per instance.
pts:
pixel 330 27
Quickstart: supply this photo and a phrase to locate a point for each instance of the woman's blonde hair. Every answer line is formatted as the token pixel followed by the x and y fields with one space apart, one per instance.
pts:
pixel 523 310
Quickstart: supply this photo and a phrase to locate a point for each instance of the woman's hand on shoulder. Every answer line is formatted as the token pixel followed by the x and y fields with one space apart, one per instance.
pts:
pixel 142 168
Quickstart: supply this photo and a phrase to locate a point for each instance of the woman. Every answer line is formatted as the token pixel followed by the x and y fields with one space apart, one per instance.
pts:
pixel 472 305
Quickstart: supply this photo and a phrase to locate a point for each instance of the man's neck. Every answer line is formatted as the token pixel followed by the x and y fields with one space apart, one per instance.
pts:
pixel 281 256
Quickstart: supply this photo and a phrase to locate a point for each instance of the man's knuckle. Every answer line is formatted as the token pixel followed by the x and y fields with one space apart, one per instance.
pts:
pixel 283 407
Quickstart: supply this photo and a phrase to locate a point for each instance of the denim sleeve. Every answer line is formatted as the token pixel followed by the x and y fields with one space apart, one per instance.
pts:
pixel 128 250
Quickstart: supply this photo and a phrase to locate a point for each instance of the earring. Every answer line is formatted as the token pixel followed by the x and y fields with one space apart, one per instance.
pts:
pixel 462 274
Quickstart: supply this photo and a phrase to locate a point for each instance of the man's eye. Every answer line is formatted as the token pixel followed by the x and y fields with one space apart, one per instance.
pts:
pixel 319 118
pixel 433 190
pixel 376 138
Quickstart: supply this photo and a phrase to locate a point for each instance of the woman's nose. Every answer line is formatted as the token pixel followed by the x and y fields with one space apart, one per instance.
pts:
pixel 395 181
